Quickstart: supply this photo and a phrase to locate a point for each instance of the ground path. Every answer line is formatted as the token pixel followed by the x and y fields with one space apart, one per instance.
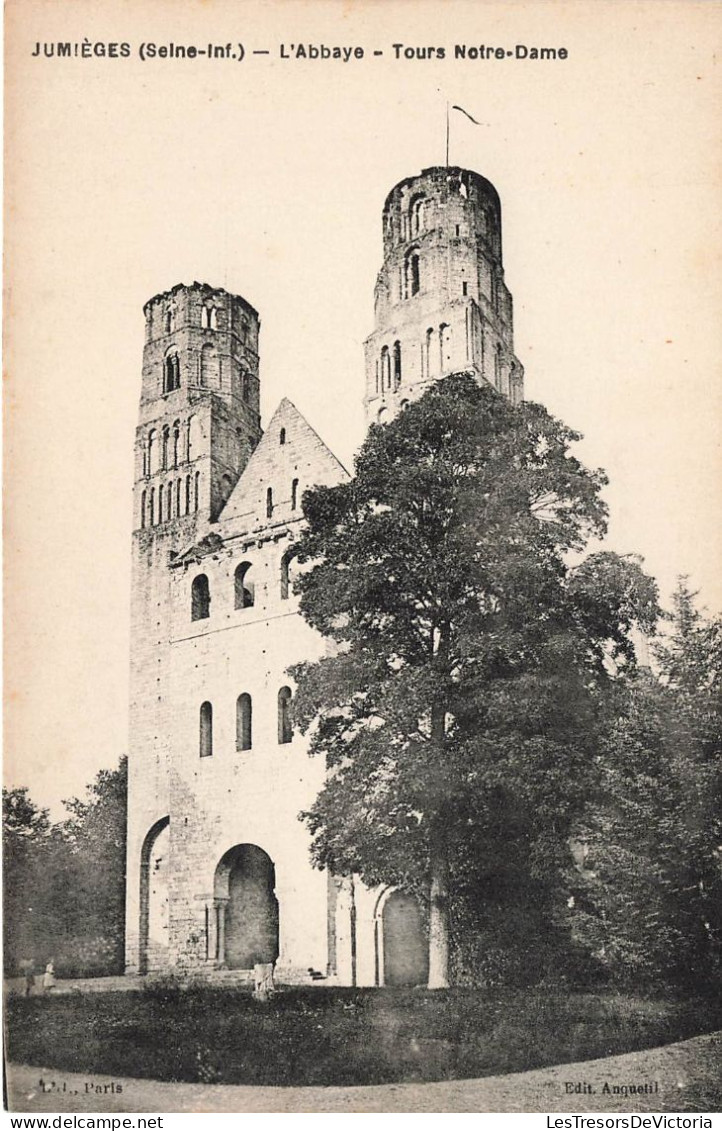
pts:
pixel 688 1076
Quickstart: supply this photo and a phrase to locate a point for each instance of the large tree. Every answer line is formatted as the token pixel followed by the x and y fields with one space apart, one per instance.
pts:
pixel 25 836
pixel 65 883
pixel 648 891
pixel 460 707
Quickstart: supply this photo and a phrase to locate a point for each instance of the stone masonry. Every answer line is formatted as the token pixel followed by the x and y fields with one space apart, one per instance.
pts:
pixel 218 869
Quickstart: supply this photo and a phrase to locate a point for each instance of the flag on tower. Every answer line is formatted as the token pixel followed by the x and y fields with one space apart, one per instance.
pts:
pixel 463 111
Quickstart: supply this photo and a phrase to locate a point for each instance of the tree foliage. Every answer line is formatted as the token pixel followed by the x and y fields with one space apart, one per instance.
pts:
pixel 460 708
pixel 64 884
pixel 648 891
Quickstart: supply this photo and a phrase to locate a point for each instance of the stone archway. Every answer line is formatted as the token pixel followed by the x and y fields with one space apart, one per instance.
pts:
pixel 153 926
pixel 402 946
pixel 244 887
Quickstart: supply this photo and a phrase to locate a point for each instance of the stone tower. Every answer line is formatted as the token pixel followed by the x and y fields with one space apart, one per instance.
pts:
pixel 198 424
pixel 441 304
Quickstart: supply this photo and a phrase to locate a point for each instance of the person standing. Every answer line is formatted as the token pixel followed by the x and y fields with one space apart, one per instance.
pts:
pixel 49 977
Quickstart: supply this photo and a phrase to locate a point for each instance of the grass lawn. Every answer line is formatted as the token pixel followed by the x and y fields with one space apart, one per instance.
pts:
pixel 340 1036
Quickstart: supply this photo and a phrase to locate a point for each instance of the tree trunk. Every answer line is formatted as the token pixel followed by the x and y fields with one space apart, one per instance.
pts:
pixel 439 855
pixel 439 921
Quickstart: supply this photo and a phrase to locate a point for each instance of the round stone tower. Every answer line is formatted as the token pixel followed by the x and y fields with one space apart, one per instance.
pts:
pixel 441 304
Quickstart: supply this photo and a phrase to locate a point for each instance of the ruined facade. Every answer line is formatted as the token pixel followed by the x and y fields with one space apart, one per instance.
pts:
pixel 218 871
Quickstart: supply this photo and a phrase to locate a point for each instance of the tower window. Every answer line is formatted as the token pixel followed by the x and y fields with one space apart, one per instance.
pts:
pixel 385 369
pixel 416 215
pixel 397 364
pixel 178 498
pixel 244 722
pixel 196 500
pixel 464 288
pixel 246 387
pixel 170 320
pixel 171 372
pixel 285 727
pixel 269 502
pixel 176 443
pixel 282 436
pixel 143 504
pixel 243 587
pixel 152 460
pixel 209 320
pixel 206 730
pixel 294 494
pixel 188 494
pixel 200 598
pixel 151 511
pixel 164 457
pixel 458 229
pixel 286 585
pixel 412 274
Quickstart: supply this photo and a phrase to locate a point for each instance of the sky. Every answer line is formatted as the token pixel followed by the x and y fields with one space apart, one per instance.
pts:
pixel 267 176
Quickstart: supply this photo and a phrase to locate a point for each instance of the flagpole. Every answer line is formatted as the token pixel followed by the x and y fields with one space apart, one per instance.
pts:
pixel 447 135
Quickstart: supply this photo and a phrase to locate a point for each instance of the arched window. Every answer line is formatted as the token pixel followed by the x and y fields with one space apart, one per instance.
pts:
pixel 282 436
pixel 169 502
pixel 269 502
pixel 170 320
pixel 197 493
pixel 382 415
pixel 243 587
pixel 403 405
pixel 287 574
pixel 143 504
pixel 285 728
pixel 209 366
pixel 151 511
pixel 206 730
pixel 377 377
pixel 497 366
pixel 244 722
pixel 294 494
pixel 152 460
pixel 188 494
pixel 397 364
pixel 178 498
pixel 385 369
pixel 200 598
pixel 416 215
pixel 412 274
pixel 171 372
pixel 166 437
pixel 246 387
pixel 209 320
pixel 176 443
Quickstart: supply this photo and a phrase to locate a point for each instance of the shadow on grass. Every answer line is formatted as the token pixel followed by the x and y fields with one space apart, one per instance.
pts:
pixel 323 1036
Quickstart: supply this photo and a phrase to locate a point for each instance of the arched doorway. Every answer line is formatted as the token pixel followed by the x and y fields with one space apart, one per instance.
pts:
pixel 244 883
pixel 153 927
pixel 404 944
